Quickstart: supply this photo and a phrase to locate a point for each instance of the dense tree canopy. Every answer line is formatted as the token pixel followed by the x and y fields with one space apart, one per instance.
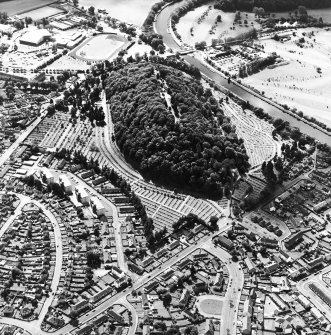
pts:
pixel 190 144
pixel 270 5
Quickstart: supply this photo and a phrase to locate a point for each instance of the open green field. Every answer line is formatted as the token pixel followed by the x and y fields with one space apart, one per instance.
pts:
pixel 13 7
pixel 131 11
pixel 211 306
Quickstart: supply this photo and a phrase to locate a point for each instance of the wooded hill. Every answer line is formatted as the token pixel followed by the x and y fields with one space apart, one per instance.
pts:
pixel 192 146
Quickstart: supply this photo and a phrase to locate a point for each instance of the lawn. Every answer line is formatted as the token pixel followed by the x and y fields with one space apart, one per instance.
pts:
pixel 211 306
pixel 20 6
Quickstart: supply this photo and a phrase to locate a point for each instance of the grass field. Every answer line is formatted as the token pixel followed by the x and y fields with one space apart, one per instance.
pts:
pixel 38 14
pixel 192 31
pixel 299 84
pixel 211 306
pixel 100 47
pixel 131 11
pixel 20 6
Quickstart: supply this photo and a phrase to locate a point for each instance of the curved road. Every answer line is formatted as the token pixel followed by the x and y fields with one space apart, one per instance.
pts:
pixel 162 27
pixel 116 221
pixel 110 150
pixel 34 326
pixel 316 278
pixel 233 292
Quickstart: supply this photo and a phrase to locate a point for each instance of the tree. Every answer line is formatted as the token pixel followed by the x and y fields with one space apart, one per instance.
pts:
pixel 279 164
pixel 179 154
pixel 167 300
pixel 191 330
pixel 54 48
pixel 278 122
pixel 201 45
pixel 93 259
pixel 213 222
pixel 91 10
pixel 193 271
pixel 160 325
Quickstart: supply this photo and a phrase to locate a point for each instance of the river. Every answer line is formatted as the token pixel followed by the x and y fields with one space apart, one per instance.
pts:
pixel 161 26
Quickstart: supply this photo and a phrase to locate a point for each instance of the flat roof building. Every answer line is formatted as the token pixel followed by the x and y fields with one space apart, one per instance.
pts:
pixel 224 242
pixel 97 206
pixel 47 176
pixel 250 265
pixel 65 183
pixel 35 37
pixel 82 195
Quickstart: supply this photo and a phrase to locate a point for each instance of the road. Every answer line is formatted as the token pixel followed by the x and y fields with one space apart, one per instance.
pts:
pixel 161 26
pixel 34 326
pixel 10 220
pixel 109 148
pixel 116 220
pixel 5 155
pixel 58 260
pixel 316 278
pixel 232 296
pixel 205 242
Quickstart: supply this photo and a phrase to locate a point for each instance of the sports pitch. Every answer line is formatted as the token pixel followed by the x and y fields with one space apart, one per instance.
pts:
pixel 100 47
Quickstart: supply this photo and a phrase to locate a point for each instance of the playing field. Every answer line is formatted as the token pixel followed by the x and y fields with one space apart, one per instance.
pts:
pixel 13 7
pixel 38 14
pixel 211 306
pixel 100 47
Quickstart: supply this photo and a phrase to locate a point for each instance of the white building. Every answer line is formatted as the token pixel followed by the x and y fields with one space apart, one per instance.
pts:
pixel 247 327
pixel 65 183
pixel 82 195
pixel 47 176
pixel 35 37
pixel 303 301
pixel 97 206
pixel 82 305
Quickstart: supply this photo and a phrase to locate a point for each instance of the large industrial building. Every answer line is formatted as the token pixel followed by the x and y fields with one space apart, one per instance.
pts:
pixel 36 37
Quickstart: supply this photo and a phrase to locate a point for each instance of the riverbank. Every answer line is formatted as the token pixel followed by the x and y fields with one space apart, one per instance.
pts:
pixel 161 27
